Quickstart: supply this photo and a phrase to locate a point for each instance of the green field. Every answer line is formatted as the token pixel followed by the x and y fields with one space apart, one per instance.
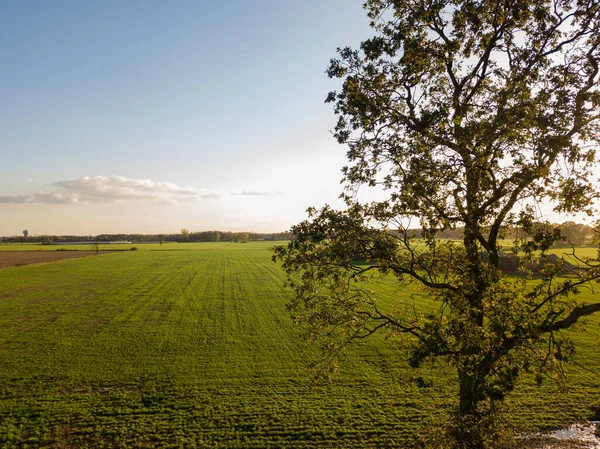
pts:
pixel 190 345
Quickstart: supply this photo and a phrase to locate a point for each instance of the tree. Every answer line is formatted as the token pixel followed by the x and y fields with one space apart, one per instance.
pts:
pixel 575 233
pixel 185 235
pixel 466 114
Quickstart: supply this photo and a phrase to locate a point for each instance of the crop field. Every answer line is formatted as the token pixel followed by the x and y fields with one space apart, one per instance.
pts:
pixel 190 345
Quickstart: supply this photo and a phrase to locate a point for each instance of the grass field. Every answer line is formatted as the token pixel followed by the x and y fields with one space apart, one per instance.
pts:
pixel 190 345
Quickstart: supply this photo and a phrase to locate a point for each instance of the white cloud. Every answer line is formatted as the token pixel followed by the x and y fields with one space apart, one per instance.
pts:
pixel 256 193
pixel 55 198
pixel 111 189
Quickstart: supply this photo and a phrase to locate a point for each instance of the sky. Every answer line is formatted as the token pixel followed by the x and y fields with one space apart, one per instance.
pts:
pixel 153 116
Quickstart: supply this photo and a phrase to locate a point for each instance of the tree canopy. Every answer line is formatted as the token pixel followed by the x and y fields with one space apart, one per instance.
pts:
pixel 471 114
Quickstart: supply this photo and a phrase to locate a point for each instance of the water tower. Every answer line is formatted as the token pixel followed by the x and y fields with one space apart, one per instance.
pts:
pixel 25 233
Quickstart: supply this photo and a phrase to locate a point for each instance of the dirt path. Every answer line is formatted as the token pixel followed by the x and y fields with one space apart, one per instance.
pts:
pixel 19 258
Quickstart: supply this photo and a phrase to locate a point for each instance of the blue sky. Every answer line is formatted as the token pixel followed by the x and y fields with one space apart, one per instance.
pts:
pixel 155 116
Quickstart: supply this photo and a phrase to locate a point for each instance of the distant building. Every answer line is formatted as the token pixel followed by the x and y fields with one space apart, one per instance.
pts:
pixel 25 233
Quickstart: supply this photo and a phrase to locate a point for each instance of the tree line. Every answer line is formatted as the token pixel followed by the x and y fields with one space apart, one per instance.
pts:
pixel 183 236
pixel 569 233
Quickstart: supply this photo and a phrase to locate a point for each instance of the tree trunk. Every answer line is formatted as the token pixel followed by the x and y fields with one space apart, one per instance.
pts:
pixel 469 427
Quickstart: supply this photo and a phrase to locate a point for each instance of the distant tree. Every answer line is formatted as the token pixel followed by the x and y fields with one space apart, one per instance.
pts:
pixel 281 236
pixel 185 234
pixel 466 114
pixel 47 239
pixel 244 237
pixel 161 238
pixel 576 233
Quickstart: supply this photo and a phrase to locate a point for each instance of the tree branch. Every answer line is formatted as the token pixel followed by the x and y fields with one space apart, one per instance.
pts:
pixel 572 318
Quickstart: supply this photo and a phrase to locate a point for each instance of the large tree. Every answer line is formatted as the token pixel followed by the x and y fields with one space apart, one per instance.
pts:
pixel 466 114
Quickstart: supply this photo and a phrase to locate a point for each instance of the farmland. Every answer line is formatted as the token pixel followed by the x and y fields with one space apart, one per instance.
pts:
pixel 190 345
pixel 20 258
